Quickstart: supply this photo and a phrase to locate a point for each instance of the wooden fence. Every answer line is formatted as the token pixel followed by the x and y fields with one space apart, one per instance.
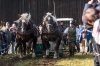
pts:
pixel 9 9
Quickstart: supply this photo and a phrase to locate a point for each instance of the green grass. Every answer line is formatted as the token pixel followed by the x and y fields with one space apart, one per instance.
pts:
pixel 77 60
pixel 29 62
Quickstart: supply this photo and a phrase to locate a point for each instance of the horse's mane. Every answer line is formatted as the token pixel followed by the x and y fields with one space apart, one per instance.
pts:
pixel 25 16
pixel 50 14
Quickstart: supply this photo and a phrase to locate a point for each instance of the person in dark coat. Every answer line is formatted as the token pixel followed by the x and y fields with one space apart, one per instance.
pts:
pixel 5 45
pixel 13 38
pixel 1 42
pixel 62 26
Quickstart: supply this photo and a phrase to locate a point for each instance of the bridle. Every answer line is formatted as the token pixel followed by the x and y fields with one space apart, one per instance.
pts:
pixel 49 24
pixel 29 31
pixel 45 30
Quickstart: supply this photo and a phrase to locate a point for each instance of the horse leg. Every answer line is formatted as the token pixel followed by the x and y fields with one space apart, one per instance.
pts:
pixel 20 49
pixel 16 48
pixel 46 47
pixel 28 47
pixel 56 48
pixel 34 46
pixel 24 48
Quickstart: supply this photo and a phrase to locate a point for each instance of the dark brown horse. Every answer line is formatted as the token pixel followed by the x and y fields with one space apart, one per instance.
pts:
pixel 26 32
pixel 50 33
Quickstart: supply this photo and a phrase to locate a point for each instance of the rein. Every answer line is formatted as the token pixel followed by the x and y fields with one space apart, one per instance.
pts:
pixel 27 32
pixel 46 31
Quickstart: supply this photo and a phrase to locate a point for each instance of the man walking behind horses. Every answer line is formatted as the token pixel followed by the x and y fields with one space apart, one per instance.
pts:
pixel 71 32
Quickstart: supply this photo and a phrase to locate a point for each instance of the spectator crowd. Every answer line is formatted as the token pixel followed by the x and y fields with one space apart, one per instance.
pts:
pixel 7 38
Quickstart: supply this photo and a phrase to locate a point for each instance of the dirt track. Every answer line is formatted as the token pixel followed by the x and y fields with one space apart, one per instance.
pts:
pixel 12 60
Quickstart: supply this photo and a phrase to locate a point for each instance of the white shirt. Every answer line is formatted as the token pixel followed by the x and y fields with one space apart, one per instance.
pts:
pixel 66 31
pixel 80 30
pixel 95 33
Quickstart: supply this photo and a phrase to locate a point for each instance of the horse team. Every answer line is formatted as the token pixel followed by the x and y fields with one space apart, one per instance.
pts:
pixel 27 32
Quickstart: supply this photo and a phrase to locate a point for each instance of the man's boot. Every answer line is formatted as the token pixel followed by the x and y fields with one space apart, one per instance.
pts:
pixel 70 52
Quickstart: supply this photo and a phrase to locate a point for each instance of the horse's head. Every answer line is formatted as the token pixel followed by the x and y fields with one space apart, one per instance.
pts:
pixel 50 22
pixel 23 22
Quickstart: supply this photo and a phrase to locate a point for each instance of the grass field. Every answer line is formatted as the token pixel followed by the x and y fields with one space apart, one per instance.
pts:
pixel 77 60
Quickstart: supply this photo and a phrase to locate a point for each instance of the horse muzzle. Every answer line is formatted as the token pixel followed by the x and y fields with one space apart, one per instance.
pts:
pixel 22 31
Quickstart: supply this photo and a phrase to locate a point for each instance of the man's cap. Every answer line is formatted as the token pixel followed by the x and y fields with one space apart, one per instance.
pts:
pixel 7 23
pixel 73 22
pixel 10 28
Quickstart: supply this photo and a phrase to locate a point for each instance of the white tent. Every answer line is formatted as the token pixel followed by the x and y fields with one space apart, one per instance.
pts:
pixel 65 19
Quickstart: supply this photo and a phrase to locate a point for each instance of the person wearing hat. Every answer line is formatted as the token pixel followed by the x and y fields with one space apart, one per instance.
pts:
pixel 72 33
pixel 13 38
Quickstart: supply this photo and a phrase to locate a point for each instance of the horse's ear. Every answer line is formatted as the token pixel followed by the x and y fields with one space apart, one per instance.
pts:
pixel 52 13
pixel 43 23
pixel 28 16
pixel 19 15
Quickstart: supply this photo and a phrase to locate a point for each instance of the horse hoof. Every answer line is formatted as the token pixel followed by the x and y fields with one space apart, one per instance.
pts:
pixel 86 53
pixel 33 55
pixel 24 55
pixel 82 53
pixel 47 52
pixel 20 57
pixel 55 57
pixel 45 56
